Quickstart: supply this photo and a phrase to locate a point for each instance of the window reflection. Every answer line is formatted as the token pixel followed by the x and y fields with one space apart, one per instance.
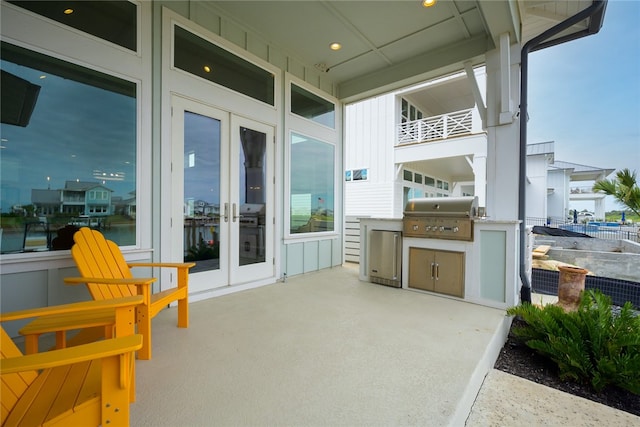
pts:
pixel 68 159
pixel 311 106
pixel 312 185
pixel 202 191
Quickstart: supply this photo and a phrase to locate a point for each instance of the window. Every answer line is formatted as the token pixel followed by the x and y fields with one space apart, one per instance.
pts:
pixel 201 58
pixel 66 130
pixel 429 181
pixel 407 175
pixel 360 174
pixel 312 107
pixel 417 178
pixel 357 175
pixel 114 21
pixel 312 185
pixel 405 111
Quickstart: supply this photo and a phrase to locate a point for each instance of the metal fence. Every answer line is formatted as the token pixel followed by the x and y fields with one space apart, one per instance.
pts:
pixel 620 291
pixel 610 231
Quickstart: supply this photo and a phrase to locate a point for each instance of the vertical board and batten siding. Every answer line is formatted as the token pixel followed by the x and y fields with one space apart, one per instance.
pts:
pixel 304 257
pixel 369 144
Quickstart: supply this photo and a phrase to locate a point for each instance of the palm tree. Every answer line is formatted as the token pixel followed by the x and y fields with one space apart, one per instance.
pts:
pixel 624 188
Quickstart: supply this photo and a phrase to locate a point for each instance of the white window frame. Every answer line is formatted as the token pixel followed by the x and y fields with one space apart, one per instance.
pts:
pixel 34 32
pixel 306 127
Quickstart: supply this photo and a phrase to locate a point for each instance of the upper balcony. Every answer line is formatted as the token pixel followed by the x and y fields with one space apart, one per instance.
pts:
pixel 437 128
pixel 585 193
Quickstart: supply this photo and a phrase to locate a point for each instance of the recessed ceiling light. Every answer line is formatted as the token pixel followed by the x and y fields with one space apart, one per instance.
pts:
pixel 428 3
pixel 206 69
pixel 43 76
pixel 335 46
pixel 68 11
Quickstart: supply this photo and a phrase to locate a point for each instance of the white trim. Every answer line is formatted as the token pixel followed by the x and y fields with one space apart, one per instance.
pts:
pixel 311 129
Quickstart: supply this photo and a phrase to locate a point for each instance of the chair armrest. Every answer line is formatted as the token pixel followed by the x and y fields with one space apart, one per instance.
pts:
pixel 105 281
pixel 162 264
pixel 78 307
pixel 71 355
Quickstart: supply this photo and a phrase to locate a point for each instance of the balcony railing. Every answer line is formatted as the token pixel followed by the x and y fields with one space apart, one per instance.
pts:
pixel 582 190
pixel 450 125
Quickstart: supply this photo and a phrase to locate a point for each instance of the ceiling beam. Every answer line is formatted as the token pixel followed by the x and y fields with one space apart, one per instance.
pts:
pixel 415 70
pixel 501 17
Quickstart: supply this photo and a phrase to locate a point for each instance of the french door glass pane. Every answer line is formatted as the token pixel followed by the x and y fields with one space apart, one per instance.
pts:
pixel 252 195
pixel 201 191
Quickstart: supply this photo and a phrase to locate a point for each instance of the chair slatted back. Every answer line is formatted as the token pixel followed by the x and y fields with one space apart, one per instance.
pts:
pixel 13 385
pixel 96 256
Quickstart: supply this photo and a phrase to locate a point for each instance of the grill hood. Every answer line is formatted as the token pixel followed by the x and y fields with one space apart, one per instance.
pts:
pixel 459 207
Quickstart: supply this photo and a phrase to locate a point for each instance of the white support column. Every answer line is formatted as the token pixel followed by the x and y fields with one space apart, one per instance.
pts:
pixel 503 147
pixel 599 210
pixel 480 179
pixel 506 104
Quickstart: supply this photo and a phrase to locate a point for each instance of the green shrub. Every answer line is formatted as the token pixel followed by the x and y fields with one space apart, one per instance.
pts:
pixel 589 345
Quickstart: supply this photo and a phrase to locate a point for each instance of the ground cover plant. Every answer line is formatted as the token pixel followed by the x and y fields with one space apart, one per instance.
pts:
pixel 593 352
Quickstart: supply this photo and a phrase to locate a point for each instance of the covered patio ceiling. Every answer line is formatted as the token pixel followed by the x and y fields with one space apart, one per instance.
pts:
pixel 387 45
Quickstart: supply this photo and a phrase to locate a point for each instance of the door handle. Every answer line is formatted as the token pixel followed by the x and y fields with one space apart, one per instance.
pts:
pixel 234 213
pixel 226 212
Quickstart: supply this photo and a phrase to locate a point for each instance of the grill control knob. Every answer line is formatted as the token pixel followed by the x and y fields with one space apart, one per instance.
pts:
pixel 455 229
pixel 441 228
pixel 427 228
pixel 415 228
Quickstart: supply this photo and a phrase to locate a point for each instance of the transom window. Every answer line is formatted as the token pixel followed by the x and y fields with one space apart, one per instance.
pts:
pixel 204 59
pixel 312 107
pixel 111 20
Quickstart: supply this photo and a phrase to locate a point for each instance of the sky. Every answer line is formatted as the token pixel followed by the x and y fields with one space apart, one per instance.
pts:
pixel 585 96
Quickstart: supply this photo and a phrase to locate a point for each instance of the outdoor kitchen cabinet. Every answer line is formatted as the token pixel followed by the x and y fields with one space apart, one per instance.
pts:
pixel 436 271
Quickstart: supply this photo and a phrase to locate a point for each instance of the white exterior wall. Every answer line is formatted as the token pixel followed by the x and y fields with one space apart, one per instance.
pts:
pixel 558 201
pixel 370 132
pixel 536 189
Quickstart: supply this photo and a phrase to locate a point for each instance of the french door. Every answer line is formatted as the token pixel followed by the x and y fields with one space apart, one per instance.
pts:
pixel 223 192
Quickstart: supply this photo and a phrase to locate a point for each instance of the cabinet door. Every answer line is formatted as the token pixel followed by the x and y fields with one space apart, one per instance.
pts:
pixel 449 274
pixel 421 269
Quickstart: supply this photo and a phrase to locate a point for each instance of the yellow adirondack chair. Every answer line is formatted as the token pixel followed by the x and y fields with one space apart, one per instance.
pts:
pixel 107 275
pixel 86 385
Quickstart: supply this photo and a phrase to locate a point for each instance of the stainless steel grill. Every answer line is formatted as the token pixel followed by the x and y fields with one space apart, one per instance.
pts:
pixel 440 218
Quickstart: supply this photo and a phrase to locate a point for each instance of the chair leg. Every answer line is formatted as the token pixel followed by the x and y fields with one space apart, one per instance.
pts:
pixel 144 329
pixel 183 313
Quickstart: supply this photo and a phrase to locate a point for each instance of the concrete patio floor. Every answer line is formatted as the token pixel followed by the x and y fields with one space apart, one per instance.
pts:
pixel 325 349
pixel 320 349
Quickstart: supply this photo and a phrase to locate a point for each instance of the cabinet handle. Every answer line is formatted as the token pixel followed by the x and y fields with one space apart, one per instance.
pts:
pixel 395 257
pixel 432 269
pixel 437 271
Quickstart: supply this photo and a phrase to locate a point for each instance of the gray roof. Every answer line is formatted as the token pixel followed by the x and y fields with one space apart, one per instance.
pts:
pixel 45 196
pixel 82 185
